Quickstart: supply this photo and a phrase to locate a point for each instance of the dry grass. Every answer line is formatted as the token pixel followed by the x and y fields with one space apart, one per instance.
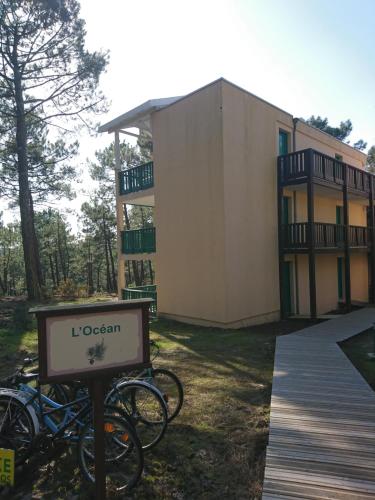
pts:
pixel 215 448
pixel 357 349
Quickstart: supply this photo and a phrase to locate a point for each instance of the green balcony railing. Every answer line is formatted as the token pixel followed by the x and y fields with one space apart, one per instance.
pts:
pixel 137 178
pixel 142 292
pixel 138 241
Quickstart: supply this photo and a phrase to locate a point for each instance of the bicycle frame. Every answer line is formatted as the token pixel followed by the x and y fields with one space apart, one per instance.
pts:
pixel 70 416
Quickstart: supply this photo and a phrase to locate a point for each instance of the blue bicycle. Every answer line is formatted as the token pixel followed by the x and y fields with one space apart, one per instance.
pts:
pixel 27 416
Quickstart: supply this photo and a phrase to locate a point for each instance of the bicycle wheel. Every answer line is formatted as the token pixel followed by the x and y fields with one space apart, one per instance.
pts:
pixel 146 408
pixel 122 454
pixel 56 392
pixel 171 389
pixel 16 427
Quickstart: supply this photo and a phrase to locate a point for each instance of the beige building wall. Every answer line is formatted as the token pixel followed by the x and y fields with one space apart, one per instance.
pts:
pixel 189 208
pixel 327 281
pixel 357 214
pixel 215 157
pixel 325 208
pixel 309 137
pixel 359 276
pixel 250 142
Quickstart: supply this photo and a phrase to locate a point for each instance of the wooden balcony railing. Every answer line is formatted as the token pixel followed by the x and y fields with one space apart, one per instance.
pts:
pixel 359 236
pixel 295 167
pixel 296 236
pixel 138 241
pixel 137 178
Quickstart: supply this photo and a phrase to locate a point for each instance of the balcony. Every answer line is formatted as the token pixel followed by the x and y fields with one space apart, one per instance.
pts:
pixel 142 292
pixel 296 168
pixel 138 241
pixel 295 237
pixel 137 178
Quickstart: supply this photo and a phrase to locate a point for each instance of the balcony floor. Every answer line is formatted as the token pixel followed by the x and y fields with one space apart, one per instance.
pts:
pixel 146 198
pixel 138 256
pixel 325 250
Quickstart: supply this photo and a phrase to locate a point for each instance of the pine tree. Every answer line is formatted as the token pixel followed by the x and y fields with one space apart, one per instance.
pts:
pixel 46 76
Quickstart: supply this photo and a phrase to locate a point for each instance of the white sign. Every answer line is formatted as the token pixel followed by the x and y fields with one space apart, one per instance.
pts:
pixel 88 342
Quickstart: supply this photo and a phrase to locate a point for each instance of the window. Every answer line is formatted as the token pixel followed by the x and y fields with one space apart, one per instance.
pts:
pixel 283 142
pixel 338 157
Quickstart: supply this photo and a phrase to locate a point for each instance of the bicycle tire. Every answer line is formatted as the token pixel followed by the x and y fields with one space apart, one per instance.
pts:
pixel 145 406
pixel 123 454
pixel 172 391
pixel 16 427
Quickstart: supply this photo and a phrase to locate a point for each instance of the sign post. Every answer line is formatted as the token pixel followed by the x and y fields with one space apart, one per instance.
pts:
pixel 93 342
pixel 98 403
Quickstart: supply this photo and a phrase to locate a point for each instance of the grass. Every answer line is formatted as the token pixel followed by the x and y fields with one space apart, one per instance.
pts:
pixel 214 448
pixel 357 349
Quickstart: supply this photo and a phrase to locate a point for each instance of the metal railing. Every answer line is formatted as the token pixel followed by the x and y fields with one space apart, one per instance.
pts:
pixel 142 292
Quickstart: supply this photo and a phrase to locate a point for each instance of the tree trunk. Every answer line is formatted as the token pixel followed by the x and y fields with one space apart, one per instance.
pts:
pixel 3 286
pixel 113 268
pixel 29 240
pixel 98 286
pixel 142 273
pixel 60 250
pixel 129 280
pixel 52 270
pixel 107 272
pixel 107 268
pixel 57 272
pixel 90 278
pixel 134 262
pixel 151 272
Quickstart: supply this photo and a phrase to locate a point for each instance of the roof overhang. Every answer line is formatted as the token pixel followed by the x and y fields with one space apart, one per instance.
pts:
pixel 138 117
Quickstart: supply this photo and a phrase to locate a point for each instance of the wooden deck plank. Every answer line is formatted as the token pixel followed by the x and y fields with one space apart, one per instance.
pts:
pixel 286 490
pixel 306 477
pixel 320 454
pixel 322 426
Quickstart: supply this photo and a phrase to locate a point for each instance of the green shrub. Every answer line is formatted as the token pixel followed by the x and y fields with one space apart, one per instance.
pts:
pixel 82 292
pixel 68 289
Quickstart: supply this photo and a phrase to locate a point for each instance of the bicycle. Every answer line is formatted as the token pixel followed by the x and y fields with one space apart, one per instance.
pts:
pixel 162 379
pixel 142 402
pixel 165 380
pixel 27 413
pixel 168 384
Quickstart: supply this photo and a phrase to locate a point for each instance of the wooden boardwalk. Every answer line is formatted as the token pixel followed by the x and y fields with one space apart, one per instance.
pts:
pixel 322 428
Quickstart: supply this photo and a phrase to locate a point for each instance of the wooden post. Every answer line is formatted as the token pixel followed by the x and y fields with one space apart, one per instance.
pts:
pixel 372 238
pixel 99 445
pixel 311 235
pixel 55 357
pixel 120 220
pixel 348 299
pixel 280 238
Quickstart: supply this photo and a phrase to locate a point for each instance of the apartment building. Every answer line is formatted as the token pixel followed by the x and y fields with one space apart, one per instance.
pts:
pixel 257 214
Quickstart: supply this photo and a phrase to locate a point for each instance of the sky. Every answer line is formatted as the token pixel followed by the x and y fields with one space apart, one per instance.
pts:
pixel 306 57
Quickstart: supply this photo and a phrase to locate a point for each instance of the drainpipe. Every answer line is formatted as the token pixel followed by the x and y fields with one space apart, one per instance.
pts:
pixel 295 121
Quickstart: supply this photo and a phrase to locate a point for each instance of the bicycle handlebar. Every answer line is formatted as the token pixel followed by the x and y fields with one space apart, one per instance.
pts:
pixel 30 361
